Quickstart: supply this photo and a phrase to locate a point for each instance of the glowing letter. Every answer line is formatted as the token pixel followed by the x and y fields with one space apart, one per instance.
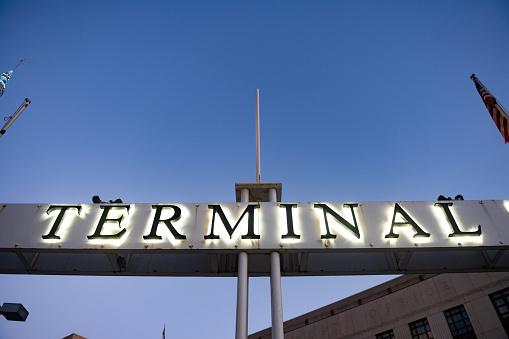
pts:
pixel 250 228
pixel 350 227
pixel 408 222
pixel 53 232
pixel 456 230
pixel 104 218
pixel 289 222
pixel 167 222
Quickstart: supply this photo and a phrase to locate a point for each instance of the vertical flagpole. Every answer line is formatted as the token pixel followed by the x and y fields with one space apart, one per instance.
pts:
pixel 258 169
pixel 241 325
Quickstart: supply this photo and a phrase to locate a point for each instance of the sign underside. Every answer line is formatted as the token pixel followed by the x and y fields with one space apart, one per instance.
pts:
pixel 204 239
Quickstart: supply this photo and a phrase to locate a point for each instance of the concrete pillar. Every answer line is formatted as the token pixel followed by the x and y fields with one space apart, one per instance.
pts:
pixel 242 286
pixel 272 195
pixel 244 195
pixel 242 297
pixel 276 299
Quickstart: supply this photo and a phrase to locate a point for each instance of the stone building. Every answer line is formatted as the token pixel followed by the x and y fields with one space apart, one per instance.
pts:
pixel 74 336
pixel 457 305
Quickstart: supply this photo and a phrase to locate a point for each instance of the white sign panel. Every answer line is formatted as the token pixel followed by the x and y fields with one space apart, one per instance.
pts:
pixel 255 226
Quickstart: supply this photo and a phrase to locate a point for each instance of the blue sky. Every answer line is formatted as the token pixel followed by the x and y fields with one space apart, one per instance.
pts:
pixel 154 101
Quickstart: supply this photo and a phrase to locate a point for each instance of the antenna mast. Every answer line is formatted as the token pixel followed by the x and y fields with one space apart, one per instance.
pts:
pixel 258 168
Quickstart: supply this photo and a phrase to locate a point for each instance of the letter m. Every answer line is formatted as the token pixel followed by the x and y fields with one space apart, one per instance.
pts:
pixel 250 228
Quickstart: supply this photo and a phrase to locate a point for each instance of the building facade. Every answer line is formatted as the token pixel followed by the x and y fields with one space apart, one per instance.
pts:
pixel 456 305
pixel 74 336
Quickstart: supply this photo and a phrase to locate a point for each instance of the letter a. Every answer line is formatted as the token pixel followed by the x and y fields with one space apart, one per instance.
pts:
pixel 408 222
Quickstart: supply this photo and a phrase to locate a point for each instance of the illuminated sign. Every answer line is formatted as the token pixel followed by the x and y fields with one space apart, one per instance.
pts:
pixel 255 226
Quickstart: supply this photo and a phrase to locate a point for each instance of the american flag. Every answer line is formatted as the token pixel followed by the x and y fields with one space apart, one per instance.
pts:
pixel 498 114
pixel 164 330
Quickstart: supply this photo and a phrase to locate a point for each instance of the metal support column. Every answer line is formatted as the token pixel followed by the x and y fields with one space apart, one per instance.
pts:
pixel 276 299
pixel 272 195
pixel 244 195
pixel 242 297
pixel 242 287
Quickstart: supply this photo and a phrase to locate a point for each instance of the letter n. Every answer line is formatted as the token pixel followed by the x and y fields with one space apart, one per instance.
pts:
pixel 327 210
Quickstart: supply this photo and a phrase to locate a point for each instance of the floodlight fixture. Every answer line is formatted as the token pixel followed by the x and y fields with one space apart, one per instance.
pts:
pixel 15 312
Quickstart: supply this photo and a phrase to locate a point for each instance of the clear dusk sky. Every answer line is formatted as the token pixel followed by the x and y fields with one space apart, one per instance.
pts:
pixel 154 102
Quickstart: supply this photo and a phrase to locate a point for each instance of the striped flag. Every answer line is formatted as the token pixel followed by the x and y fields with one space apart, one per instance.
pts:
pixel 164 330
pixel 5 77
pixel 498 114
pixel 3 81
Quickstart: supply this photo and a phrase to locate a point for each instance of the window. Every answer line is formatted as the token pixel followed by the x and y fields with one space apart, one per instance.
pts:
pixel 420 329
pixel 500 301
pixel 459 323
pixel 385 335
